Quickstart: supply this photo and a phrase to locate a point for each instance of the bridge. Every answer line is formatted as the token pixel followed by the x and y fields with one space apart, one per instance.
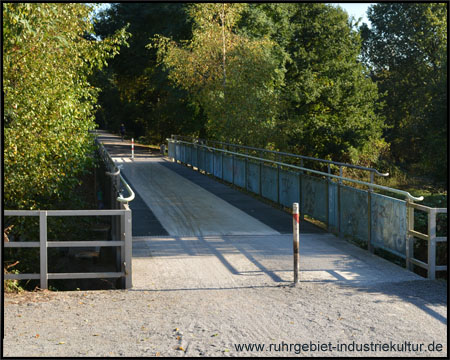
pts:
pixel 191 231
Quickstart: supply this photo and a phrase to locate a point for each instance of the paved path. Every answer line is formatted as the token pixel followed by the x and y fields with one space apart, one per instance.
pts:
pixel 216 262
pixel 184 208
pixel 166 188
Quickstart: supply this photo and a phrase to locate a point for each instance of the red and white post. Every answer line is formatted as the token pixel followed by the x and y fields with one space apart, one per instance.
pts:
pixel 132 148
pixel 296 235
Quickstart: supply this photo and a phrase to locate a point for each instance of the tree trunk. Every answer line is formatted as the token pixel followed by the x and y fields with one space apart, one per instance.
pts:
pixel 224 51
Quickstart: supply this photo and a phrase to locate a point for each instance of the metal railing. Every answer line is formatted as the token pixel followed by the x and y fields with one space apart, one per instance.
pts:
pixel 385 215
pixel 430 237
pixel 280 153
pixel 121 232
pixel 114 171
pixel 340 178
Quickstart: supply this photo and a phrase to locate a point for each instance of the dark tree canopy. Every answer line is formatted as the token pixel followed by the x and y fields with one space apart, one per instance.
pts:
pixel 329 100
pixel 135 90
pixel 406 49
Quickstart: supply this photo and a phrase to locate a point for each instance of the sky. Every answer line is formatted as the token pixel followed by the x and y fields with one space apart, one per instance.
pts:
pixel 356 9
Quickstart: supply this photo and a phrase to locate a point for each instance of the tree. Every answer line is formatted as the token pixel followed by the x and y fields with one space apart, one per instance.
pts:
pixel 328 98
pixel 285 76
pixel 232 78
pixel 406 48
pixel 136 90
pixel 48 53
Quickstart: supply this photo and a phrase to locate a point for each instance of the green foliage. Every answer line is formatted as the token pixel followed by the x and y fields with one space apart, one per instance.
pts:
pixel 48 54
pixel 406 47
pixel 289 76
pixel 328 97
pixel 10 285
pixel 285 76
pixel 233 78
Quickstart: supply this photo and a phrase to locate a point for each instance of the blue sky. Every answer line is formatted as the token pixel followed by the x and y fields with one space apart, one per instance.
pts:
pixel 356 9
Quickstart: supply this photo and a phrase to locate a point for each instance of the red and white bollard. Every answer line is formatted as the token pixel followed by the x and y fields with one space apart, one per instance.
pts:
pixel 132 148
pixel 296 235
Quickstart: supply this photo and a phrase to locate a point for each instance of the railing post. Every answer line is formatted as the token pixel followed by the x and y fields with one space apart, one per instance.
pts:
pixel 409 237
pixel 278 179
pixel 122 248
pixel 43 248
pixel 118 236
pixel 432 244
pixel 232 168
pixel 214 163
pixel 369 214
pixel 339 201
pixel 260 177
pixel 132 148
pixel 111 180
pixel 300 193
pixel 128 248
pixel 116 189
pixel 246 170
pixel 328 197
pixel 296 240
pixel 221 160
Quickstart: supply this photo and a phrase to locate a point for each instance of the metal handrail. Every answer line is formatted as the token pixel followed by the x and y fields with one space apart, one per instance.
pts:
pixel 129 198
pixel 113 174
pixel 116 172
pixel 371 185
pixel 375 171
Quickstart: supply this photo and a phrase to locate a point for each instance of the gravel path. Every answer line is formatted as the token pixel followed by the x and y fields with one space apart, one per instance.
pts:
pixel 210 322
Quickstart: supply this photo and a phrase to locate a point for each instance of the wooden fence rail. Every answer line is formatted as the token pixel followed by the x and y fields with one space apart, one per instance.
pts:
pixel 124 235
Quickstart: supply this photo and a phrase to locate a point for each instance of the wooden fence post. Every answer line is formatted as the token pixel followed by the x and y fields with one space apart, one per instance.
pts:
pixel 43 249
